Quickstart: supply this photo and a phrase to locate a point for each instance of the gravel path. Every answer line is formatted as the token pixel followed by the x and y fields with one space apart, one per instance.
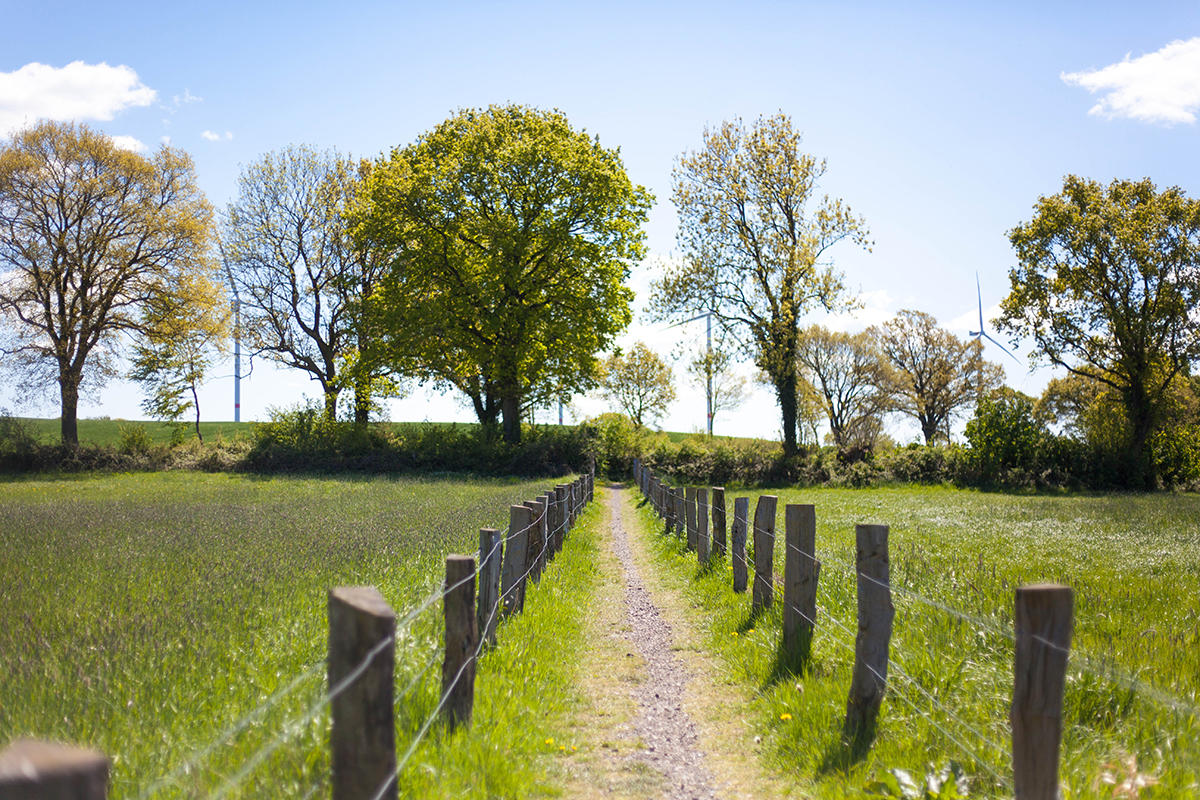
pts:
pixel 666 730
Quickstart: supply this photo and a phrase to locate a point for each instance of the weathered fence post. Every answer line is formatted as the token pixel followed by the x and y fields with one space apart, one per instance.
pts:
pixel 737 541
pixel 591 484
pixel 875 613
pixel 462 641
pixel 668 510
pixel 702 542
pixel 764 552
pixel 512 582
pixel 1044 620
pixel 689 511
pixel 537 540
pixel 31 770
pixel 490 556
pixel 680 512
pixel 560 529
pixel 718 521
pixel 551 500
pixel 800 573
pixel 362 738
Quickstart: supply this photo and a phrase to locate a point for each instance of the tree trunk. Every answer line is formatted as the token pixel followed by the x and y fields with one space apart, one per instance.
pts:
pixel 68 384
pixel 331 398
pixel 362 399
pixel 1142 474
pixel 196 403
pixel 785 392
pixel 510 406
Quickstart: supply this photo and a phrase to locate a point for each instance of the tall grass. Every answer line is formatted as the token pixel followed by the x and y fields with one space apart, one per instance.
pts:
pixel 176 621
pixel 1131 706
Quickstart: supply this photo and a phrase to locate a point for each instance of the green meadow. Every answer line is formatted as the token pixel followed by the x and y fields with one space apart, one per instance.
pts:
pixel 1132 718
pixel 177 623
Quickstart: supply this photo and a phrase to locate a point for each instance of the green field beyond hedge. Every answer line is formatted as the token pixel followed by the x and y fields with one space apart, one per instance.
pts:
pixel 146 614
pixel 956 557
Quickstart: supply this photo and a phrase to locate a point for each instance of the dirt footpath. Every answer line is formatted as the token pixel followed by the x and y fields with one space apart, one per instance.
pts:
pixel 657 721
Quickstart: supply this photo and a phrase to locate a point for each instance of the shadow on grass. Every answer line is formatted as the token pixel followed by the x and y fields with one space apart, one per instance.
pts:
pixel 792 660
pixel 846 750
pixel 707 568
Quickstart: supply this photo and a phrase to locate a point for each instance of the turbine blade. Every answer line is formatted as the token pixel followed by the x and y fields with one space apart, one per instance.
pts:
pixel 1002 347
pixel 979 296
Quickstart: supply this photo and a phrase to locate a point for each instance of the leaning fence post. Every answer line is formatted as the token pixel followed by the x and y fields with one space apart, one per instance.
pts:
pixel 462 641
pixel 800 573
pixel 718 521
pixel 875 613
pixel 33 770
pixel 1043 621
pixel 764 552
pixel 512 582
pixel 362 738
pixel 737 537
pixel 702 542
pixel 490 556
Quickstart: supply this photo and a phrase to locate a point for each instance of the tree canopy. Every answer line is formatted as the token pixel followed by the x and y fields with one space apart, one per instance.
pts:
pixel 287 245
pixel 510 237
pixel 1107 287
pixel 938 374
pixel 753 252
pixel 640 384
pixel 853 381
pixel 91 238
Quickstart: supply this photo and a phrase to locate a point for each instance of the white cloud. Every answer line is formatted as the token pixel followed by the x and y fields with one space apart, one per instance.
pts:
pixel 76 91
pixel 129 143
pixel 1161 87
pixel 216 137
pixel 874 311
pixel 178 101
pixel 166 140
pixel 970 320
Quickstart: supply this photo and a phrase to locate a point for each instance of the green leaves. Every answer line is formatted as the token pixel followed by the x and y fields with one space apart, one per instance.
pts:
pixel 510 236
pixel 949 783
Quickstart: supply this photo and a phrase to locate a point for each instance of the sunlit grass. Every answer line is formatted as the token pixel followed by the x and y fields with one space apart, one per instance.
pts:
pixel 144 615
pixel 1134 672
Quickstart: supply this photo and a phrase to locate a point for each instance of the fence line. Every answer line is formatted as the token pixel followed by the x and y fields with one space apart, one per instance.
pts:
pixel 567 503
pixel 1039 663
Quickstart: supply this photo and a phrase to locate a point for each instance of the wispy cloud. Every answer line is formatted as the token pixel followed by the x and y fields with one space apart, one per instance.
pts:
pixel 129 143
pixel 77 91
pixel 216 137
pixel 178 101
pixel 875 311
pixel 1161 87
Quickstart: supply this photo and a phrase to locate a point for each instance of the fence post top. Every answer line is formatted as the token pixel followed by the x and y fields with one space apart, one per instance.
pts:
pixel 455 557
pixel 363 598
pixel 1045 588
pixel 31 760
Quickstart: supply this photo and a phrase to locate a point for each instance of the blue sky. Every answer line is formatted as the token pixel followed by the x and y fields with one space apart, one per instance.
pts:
pixel 941 124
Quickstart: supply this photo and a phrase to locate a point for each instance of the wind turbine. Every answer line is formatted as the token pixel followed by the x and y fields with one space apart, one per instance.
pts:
pixel 981 331
pixel 708 391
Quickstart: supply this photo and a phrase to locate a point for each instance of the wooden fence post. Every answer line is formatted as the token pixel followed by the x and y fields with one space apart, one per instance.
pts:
pixel 537 540
pixel 552 514
pixel 702 542
pixel 1044 621
pixel 32 770
pixel 764 552
pixel 668 510
pixel 800 573
pixel 591 486
pixel 462 641
pixel 689 511
pixel 718 521
pixel 512 582
pixel 362 738
pixel 491 554
pixel 737 541
pixel 680 512
pixel 560 529
pixel 875 613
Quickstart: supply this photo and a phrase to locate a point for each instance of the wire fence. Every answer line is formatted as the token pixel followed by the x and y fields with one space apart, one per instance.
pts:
pixel 574 500
pixel 978 744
